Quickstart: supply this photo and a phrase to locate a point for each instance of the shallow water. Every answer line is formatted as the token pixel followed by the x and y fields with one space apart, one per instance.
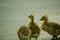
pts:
pixel 14 13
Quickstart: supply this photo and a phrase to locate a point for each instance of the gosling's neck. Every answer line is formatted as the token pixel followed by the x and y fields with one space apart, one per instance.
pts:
pixel 32 20
pixel 46 22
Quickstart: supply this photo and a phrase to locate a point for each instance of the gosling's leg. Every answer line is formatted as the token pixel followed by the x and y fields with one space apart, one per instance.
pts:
pixel 30 38
pixel 36 38
pixel 53 38
pixel 20 39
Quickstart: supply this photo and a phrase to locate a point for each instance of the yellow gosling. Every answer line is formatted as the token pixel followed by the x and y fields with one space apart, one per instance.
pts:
pixel 24 33
pixel 33 27
pixel 50 27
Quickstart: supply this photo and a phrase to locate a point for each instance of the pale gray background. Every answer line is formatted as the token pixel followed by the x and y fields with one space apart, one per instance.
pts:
pixel 14 13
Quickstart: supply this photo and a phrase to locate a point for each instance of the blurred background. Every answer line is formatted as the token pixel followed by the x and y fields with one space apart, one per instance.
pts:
pixel 14 13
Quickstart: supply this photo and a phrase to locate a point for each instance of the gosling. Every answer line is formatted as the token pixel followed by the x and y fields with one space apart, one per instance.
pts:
pixel 35 30
pixel 50 27
pixel 24 33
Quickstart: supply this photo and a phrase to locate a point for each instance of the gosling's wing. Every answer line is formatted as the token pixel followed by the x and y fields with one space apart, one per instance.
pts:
pixel 37 26
pixel 55 25
pixel 34 28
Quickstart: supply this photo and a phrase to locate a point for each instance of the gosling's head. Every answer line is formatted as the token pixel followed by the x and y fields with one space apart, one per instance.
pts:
pixel 44 18
pixel 31 17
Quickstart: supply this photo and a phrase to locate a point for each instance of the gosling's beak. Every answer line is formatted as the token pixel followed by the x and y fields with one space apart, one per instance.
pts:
pixel 28 16
pixel 40 19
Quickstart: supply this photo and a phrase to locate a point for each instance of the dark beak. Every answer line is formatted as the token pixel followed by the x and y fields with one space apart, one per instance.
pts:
pixel 40 19
pixel 28 16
